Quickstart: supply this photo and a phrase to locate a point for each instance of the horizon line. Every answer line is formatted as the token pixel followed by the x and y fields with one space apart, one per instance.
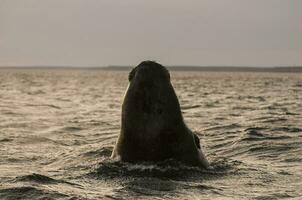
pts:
pixel 126 66
pixel 277 69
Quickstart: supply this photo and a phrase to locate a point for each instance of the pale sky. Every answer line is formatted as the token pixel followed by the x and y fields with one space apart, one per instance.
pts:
pixel 172 32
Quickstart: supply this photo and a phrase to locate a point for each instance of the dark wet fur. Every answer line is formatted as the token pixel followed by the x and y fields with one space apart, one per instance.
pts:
pixel 151 104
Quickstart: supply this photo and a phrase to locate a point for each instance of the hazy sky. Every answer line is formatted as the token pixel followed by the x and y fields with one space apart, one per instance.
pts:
pixel 173 32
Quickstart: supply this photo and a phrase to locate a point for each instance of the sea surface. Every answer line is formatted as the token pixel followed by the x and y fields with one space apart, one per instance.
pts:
pixel 58 128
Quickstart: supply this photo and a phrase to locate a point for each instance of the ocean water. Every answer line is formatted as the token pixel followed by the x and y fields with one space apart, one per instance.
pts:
pixel 58 128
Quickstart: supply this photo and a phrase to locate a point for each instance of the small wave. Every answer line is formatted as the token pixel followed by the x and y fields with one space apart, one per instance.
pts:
pixel 105 151
pixel 255 128
pixel 274 196
pixel 10 112
pixel 243 108
pixel 168 169
pixel 160 186
pixel 37 178
pixel 43 105
pixel 259 98
pixel 63 99
pixel 292 159
pixel 298 85
pixel 230 126
pixel 211 104
pixel 6 140
pixel 72 128
pixel 265 138
pixel 252 134
pixel 151 186
pixel 36 140
pixel 189 107
pixel 171 169
pixel 270 148
pixel 222 144
pixel 274 120
pixel 42 179
pixel 36 92
pixel 288 129
pixel 28 192
pixel 291 113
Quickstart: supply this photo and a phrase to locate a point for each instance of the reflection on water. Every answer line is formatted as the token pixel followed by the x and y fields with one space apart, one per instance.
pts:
pixel 57 130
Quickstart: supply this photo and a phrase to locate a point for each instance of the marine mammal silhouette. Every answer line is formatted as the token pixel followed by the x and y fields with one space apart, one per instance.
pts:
pixel 152 126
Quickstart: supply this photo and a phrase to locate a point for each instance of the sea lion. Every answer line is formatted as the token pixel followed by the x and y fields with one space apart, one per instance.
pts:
pixel 152 126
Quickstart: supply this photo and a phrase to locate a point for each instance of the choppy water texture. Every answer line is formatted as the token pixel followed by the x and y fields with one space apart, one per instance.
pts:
pixel 58 127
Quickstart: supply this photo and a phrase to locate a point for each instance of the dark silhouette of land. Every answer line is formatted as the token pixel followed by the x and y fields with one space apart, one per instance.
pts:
pixel 285 69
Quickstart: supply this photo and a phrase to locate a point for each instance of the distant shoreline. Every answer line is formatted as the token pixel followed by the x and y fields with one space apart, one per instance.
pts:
pixel 284 69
